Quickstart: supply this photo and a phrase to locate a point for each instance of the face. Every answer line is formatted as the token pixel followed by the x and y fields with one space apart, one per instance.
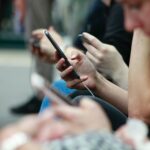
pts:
pixel 137 14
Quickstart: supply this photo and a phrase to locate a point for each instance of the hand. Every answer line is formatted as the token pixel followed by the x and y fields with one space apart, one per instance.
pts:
pixel 89 116
pixel 76 120
pixel 31 125
pixel 83 67
pixel 46 51
pixel 107 60
pixel 121 134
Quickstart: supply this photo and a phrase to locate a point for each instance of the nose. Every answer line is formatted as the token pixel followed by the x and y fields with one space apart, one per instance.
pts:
pixel 132 22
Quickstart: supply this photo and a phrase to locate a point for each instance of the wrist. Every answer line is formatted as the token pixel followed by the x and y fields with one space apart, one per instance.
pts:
pixel 100 82
pixel 120 76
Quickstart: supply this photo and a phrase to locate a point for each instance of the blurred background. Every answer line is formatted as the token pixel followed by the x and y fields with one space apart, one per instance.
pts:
pixel 15 59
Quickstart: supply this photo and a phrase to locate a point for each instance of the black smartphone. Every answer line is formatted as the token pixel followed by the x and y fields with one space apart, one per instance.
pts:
pixel 61 53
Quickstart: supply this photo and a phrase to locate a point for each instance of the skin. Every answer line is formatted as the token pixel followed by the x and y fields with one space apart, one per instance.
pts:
pixel 46 51
pixel 140 89
pixel 94 80
pixel 47 128
pixel 139 97
pixel 136 14
pixel 136 17
pixel 107 60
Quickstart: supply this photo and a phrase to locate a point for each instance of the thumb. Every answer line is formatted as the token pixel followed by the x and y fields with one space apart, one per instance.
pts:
pixel 38 32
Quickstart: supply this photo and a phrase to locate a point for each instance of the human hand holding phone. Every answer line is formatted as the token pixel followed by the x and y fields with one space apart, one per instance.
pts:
pixel 41 47
pixel 61 54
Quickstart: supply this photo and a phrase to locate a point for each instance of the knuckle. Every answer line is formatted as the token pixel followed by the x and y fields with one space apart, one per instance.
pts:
pixel 104 50
pixel 99 56
pixel 93 41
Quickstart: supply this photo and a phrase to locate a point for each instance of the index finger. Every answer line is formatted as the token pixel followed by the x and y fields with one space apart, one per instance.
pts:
pixel 66 112
pixel 93 40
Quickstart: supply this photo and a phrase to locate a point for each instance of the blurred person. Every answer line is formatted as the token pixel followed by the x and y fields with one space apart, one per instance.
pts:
pixel 53 12
pixel 136 13
pixel 137 101
pixel 145 49
pixel 37 16
pixel 19 16
pixel 112 31
pixel 90 133
pixel 116 117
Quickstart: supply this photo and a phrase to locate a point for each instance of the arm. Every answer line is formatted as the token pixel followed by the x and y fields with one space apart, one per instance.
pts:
pixel 95 81
pixel 113 94
pixel 139 77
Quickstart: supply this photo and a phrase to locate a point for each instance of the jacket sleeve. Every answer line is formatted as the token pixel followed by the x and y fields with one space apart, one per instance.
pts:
pixel 88 141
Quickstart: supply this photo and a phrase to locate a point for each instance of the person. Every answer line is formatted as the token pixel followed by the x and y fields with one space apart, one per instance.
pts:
pixel 138 98
pixel 33 131
pixel 138 20
pixel 33 14
pixel 54 13
pixel 112 32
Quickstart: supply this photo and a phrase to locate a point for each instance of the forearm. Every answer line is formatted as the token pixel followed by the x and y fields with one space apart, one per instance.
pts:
pixel 139 77
pixel 111 93
pixel 120 77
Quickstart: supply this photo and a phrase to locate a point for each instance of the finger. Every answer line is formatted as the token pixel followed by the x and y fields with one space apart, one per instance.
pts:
pixel 93 40
pixel 66 73
pixel 66 112
pixel 61 66
pixel 93 59
pixel 38 32
pixel 53 131
pixel 76 83
pixel 38 52
pixel 91 49
pixel 76 57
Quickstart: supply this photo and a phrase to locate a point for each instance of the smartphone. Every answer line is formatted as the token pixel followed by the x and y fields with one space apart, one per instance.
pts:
pixel 61 53
pixel 43 85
